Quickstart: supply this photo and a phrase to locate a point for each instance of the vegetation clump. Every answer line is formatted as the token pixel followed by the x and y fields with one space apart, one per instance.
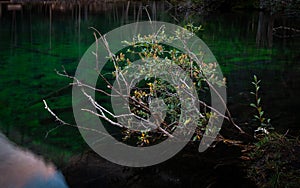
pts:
pixel 275 161
pixel 156 58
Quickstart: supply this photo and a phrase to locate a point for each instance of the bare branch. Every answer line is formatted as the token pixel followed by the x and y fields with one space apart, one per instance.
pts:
pixel 68 124
pixel 96 53
pixel 195 58
pixel 102 115
pixel 78 83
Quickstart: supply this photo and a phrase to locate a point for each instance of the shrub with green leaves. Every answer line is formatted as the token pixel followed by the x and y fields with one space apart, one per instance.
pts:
pixel 157 91
pixel 154 55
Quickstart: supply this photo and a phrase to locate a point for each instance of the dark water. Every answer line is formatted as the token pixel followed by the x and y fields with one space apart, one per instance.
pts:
pixel 40 38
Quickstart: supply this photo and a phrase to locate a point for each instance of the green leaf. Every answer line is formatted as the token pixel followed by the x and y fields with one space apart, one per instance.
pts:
pixel 258 101
pixel 187 121
pixel 252 93
pixel 253 105
pixel 195 138
pixel 255 78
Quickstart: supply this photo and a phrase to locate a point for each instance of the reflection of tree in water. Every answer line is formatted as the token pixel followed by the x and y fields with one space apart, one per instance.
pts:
pixel 118 11
pixel 267 29
pixel 264 36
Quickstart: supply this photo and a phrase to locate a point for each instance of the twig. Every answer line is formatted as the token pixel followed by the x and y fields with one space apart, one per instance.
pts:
pixel 68 124
pixel 227 110
pixel 102 115
pixel 96 53
pixel 195 58
pixel 149 17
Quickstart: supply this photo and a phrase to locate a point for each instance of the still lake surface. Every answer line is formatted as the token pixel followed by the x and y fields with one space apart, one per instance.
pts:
pixel 40 38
